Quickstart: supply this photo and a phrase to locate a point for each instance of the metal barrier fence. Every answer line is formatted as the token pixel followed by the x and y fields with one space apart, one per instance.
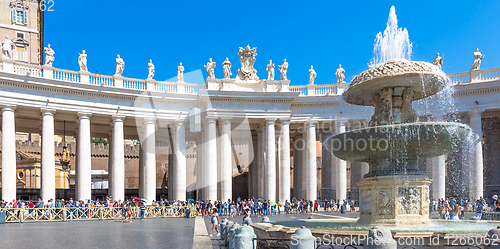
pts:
pixel 20 215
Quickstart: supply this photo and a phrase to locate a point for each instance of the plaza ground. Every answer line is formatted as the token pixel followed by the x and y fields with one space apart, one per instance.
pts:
pixel 179 233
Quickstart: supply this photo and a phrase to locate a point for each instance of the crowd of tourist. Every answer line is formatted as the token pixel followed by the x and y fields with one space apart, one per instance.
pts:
pixel 454 209
pixel 261 207
pixel 449 208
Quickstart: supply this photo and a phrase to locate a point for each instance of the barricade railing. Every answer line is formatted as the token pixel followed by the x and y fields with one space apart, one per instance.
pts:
pixel 20 215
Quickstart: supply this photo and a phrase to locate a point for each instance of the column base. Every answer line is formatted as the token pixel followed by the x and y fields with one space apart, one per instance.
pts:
pixel 397 200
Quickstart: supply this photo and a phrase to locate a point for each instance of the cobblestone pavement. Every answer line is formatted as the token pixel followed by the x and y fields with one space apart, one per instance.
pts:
pixel 149 233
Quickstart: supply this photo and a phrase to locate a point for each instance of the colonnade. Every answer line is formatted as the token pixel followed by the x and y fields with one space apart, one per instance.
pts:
pixel 269 172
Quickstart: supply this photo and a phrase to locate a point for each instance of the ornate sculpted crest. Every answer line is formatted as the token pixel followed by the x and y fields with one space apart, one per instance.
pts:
pixel 247 59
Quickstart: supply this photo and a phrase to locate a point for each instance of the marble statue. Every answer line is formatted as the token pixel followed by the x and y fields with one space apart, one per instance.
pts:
pixel 151 69
pixel 247 59
pixel 120 65
pixel 180 73
pixel 438 61
pixel 478 57
pixel 7 48
pixel 210 68
pixel 340 74
pixel 312 75
pixel 283 69
pixel 408 114
pixel 270 70
pixel 82 61
pixel 49 55
pixel 226 67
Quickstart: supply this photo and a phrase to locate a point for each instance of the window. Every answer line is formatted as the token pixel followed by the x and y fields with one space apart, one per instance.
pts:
pixel 20 53
pixel 19 16
pixel 20 35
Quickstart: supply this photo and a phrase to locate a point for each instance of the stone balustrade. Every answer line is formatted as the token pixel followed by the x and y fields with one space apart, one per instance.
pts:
pixel 474 76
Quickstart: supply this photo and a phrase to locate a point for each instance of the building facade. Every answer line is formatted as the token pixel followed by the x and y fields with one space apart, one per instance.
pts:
pixel 22 23
pixel 262 129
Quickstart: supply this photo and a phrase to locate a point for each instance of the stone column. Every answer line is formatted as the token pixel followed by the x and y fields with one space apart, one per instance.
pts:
pixel 270 193
pixel 179 171
pixel 255 166
pixel 84 169
pixel 226 162
pixel 341 174
pixel 259 165
pixel 199 170
pixel 303 167
pixel 211 163
pixel 149 148
pixel 203 162
pixel 263 162
pixel 285 160
pixel 110 161
pixel 118 164
pixel 298 146
pixel 142 168
pixel 8 153
pixel 48 162
pixel 439 177
pixel 326 168
pixel 312 180
pixel 476 181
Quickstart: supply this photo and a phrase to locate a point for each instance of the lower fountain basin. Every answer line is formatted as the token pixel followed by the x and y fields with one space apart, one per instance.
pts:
pixel 395 149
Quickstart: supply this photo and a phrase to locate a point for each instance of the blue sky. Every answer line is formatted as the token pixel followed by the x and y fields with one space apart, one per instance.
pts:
pixel 320 33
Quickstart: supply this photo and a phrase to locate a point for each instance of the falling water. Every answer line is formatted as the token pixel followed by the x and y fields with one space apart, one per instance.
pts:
pixel 393 43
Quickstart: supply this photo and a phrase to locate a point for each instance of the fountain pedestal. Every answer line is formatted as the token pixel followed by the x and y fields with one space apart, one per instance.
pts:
pixel 396 200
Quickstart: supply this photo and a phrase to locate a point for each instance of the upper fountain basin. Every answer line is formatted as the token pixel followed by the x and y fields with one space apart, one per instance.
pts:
pixel 424 78
pixel 400 141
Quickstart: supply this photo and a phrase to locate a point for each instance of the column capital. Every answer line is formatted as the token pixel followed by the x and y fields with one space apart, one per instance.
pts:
pixel 149 120
pixel 270 120
pixel 285 121
pixel 178 122
pixel 9 107
pixel 48 111
pixel 118 118
pixel 226 120
pixel 311 122
pixel 84 115
pixel 475 113
pixel 210 119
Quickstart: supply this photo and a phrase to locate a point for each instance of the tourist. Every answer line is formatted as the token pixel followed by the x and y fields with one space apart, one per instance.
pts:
pixel 129 213
pixel 214 220
pixel 456 212
pixel 124 213
pixel 143 210
pixel 479 209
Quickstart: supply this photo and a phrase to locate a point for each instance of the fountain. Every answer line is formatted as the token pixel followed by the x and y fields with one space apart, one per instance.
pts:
pixel 395 192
